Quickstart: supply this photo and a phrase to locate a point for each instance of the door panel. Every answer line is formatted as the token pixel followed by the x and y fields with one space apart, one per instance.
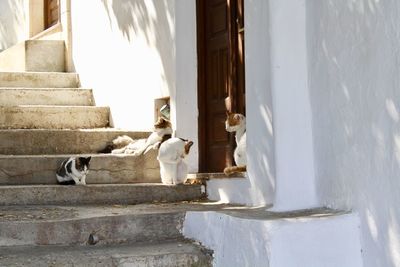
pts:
pixel 217 81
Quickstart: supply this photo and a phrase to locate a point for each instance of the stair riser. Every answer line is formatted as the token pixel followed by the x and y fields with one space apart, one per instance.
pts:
pixel 48 142
pixel 31 117
pixel 79 260
pixel 104 169
pixel 161 254
pixel 39 80
pixel 62 97
pixel 109 230
pixel 110 194
pixel 34 55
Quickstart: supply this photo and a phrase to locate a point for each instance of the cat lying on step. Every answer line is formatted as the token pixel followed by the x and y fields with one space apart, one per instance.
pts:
pixel 126 145
pixel 236 122
pixel 171 154
pixel 73 171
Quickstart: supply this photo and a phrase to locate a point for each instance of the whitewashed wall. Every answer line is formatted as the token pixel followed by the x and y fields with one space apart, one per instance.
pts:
pixel 13 22
pixel 125 50
pixel 354 62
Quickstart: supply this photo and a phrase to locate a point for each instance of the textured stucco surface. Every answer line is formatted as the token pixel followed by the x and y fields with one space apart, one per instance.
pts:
pixel 13 19
pixel 126 52
pixel 354 57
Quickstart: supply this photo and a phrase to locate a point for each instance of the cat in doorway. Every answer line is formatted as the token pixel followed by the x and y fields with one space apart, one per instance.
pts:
pixel 236 122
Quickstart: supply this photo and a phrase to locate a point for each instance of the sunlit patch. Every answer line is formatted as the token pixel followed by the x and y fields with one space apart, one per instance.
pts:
pixel 397 147
pixel 394 242
pixel 392 110
pixel 373 229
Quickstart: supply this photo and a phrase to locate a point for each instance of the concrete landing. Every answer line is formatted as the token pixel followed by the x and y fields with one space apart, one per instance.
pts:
pixel 59 141
pixel 46 96
pixel 53 117
pixel 97 194
pixel 104 169
pixel 179 253
pixel 39 80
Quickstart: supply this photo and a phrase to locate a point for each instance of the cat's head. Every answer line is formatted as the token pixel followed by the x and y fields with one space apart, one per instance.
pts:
pixel 162 123
pixel 234 121
pixel 82 164
pixel 187 146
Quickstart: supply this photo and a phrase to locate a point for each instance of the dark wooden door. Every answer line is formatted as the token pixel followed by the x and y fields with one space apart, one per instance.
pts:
pixel 221 78
pixel 51 13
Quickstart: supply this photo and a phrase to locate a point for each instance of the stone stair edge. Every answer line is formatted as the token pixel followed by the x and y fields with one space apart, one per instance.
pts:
pixel 185 251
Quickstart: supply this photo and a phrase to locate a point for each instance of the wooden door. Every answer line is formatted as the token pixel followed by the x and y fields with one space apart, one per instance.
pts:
pixel 51 13
pixel 221 78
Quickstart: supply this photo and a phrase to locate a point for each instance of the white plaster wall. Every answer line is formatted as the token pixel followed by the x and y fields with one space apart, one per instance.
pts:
pixel 295 180
pixel 13 22
pixel 354 57
pixel 125 51
pixel 312 242
pixel 258 187
pixel 184 102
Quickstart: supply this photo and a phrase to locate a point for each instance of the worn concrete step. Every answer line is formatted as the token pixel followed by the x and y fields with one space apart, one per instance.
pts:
pixel 106 224
pixel 59 141
pixel 46 96
pixel 104 169
pixel 39 79
pixel 97 194
pixel 34 55
pixel 53 117
pixel 179 253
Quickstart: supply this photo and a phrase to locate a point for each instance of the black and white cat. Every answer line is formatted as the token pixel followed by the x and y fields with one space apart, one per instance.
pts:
pixel 73 171
pixel 171 154
pixel 236 122
pixel 126 145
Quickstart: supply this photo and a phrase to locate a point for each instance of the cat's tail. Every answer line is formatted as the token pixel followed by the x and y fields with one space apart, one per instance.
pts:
pixel 233 169
pixel 119 142
pixel 109 147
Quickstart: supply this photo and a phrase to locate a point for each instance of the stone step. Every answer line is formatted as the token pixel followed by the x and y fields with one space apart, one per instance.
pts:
pixel 39 80
pixel 59 141
pixel 34 55
pixel 179 253
pixel 104 169
pixel 108 224
pixel 53 117
pixel 46 96
pixel 97 194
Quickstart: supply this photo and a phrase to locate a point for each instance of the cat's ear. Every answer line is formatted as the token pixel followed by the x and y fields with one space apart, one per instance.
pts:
pixel 238 117
pixel 88 159
pixel 187 146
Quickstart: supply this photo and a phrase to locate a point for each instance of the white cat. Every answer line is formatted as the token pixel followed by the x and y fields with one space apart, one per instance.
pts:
pixel 236 122
pixel 73 171
pixel 126 145
pixel 171 154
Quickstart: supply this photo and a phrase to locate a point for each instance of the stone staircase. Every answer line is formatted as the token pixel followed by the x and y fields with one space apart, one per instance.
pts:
pixel 123 217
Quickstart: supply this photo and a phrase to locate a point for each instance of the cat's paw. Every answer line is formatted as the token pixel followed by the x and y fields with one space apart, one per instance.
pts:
pixel 227 171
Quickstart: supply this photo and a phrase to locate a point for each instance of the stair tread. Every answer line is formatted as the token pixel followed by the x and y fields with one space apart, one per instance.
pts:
pixel 181 252
pixel 47 213
pixel 98 194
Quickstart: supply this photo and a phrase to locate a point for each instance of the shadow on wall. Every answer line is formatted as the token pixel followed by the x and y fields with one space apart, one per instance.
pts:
pixel 12 19
pixel 354 58
pixel 152 19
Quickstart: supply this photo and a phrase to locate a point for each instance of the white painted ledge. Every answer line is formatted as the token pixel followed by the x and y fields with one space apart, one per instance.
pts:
pixel 277 239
